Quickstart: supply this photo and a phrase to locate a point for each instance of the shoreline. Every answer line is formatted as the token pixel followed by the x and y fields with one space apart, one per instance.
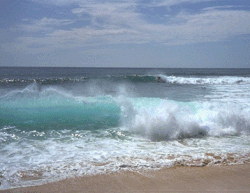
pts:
pixel 225 178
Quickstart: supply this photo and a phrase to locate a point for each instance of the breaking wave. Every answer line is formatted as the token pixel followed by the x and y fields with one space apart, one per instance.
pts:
pixel 50 132
pixel 153 118
pixel 213 80
pixel 169 120
pixel 221 80
pixel 55 108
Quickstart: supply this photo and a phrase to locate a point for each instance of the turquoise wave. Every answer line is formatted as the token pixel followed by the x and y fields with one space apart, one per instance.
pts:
pixel 54 109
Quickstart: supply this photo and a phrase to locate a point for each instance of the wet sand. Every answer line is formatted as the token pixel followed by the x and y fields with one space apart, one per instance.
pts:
pixel 178 179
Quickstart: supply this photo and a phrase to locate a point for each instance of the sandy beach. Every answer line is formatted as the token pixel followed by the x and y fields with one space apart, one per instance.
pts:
pixel 234 178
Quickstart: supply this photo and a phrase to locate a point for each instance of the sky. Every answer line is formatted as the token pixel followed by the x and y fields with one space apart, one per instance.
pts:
pixel 123 33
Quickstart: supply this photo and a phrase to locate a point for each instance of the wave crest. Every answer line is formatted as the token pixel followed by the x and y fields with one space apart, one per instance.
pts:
pixel 205 80
pixel 169 120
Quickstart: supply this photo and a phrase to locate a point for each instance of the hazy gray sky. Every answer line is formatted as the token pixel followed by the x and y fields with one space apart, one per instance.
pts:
pixel 123 33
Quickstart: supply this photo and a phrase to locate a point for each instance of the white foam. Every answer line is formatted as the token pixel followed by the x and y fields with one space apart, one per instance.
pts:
pixel 153 133
pixel 166 120
pixel 84 153
pixel 220 80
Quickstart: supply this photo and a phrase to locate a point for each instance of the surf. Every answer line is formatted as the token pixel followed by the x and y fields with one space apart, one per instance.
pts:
pixel 154 118
pixel 119 119
pixel 163 120
pixel 55 108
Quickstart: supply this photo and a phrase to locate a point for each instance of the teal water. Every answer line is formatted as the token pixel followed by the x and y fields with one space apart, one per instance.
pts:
pixel 63 122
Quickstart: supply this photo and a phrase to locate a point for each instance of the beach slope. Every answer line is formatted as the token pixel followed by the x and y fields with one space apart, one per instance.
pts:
pixel 178 179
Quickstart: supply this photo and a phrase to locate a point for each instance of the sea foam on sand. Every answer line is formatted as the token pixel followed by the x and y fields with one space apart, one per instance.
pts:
pixel 177 179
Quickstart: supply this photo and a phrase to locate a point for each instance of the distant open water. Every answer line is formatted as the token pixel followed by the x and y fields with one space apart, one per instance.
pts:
pixel 63 122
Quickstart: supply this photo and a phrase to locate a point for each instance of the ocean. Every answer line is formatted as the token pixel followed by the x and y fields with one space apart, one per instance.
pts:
pixel 57 123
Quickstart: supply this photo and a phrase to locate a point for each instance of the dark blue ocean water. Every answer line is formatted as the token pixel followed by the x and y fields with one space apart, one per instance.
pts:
pixel 63 122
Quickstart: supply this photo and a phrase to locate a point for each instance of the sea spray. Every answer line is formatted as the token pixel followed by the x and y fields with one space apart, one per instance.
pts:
pixel 159 119
pixel 65 122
